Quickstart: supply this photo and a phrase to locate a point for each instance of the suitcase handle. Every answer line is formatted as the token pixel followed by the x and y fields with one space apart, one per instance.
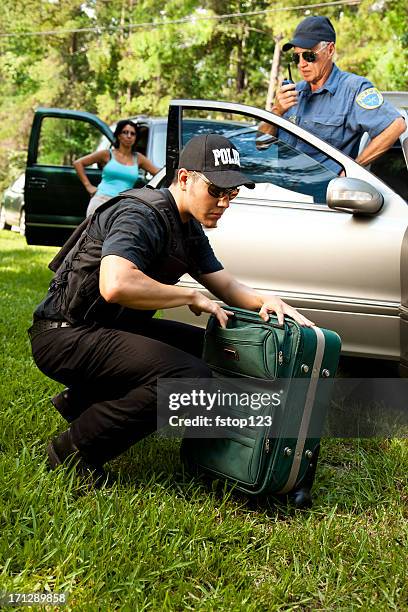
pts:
pixel 253 317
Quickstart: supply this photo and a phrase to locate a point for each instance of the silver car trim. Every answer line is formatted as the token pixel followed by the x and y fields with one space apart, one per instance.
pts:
pixel 307 412
pixel 248 201
pixel 357 308
pixel 320 301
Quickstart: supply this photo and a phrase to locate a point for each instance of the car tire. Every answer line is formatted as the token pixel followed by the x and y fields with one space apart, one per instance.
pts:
pixel 3 224
pixel 22 224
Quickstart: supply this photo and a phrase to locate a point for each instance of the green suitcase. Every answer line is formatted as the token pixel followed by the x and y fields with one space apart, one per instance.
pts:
pixel 262 461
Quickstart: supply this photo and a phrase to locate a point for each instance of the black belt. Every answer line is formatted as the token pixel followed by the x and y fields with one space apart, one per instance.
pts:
pixel 43 325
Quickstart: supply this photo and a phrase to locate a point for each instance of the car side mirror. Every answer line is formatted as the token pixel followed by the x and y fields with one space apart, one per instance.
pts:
pixel 354 196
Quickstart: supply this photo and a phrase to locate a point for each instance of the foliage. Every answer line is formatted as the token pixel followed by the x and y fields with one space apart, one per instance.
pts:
pixel 156 539
pixel 114 69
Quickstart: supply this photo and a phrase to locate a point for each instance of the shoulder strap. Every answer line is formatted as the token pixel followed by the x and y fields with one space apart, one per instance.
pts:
pixel 153 198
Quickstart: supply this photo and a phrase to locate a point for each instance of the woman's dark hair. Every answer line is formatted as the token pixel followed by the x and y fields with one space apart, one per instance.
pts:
pixel 119 128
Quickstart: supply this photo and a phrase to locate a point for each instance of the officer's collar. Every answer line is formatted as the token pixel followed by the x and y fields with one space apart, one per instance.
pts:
pixel 330 85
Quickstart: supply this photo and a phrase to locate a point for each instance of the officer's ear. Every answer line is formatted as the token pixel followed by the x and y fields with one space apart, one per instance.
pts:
pixel 331 49
pixel 182 176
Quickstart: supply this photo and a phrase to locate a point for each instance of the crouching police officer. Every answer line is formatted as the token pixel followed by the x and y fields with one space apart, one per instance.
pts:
pixel 94 331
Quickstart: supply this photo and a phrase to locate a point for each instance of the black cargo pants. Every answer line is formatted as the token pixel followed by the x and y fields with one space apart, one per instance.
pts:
pixel 113 377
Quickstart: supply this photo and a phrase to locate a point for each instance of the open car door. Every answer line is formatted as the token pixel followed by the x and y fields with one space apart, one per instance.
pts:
pixel 341 269
pixel 55 199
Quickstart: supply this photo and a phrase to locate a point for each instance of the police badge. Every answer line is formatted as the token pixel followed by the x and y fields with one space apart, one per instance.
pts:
pixel 370 98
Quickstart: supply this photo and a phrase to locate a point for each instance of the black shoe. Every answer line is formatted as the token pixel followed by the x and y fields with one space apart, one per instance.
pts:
pixel 301 497
pixel 61 450
pixel 62 402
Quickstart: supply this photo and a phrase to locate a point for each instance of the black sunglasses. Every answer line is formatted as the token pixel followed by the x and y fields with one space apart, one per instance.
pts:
pixel 309 56
pixel 218 192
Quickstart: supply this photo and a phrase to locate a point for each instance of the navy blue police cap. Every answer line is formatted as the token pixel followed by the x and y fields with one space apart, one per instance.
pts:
pixel 310 32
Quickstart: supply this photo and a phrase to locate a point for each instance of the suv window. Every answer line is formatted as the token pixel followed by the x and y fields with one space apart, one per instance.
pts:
pixel 63 140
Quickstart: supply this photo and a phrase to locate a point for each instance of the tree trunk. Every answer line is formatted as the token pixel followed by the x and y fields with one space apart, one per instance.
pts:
pixel 273 77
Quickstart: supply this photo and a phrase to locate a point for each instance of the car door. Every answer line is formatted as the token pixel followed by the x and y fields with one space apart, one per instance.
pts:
pixel 341 270
pixel 55 199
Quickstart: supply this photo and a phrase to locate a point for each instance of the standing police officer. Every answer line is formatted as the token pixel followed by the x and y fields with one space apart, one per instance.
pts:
pixel 336 106
pixel 94 331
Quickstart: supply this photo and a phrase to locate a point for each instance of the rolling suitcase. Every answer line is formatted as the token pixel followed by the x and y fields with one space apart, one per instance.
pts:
pixel 271 460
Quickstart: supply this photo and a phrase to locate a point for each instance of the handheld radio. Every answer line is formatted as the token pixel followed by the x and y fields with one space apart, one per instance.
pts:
pixel 288 81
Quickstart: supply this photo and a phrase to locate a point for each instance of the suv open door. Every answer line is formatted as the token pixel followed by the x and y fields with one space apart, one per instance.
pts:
pixel 55 199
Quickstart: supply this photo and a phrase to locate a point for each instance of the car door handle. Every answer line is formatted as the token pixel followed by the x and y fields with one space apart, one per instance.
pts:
pixel 38 183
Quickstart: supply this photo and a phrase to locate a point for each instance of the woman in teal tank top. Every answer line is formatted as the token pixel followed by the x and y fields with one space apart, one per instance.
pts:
pixel 120 166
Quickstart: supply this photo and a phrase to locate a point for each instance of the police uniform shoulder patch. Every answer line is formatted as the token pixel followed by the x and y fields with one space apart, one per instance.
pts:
pixel 370 98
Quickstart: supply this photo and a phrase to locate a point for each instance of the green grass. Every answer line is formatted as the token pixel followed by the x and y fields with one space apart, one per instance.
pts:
pixel 159 540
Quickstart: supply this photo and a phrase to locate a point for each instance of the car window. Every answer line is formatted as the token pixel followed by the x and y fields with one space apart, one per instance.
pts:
pixel 281 173
pixel 158 135
pixel 191 127
pixel 158 147
pixel 157 132
pixel 141 141
pixel 63 140
pixel 195 127
pixel 392 169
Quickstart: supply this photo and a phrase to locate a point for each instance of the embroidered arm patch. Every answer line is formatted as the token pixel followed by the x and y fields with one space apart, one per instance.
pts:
pixel 370 98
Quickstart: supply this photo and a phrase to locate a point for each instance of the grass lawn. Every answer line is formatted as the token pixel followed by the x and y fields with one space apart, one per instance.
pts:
pixel 159 540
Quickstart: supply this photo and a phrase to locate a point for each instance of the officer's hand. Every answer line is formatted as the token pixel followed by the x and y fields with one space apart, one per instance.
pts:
pixel 203 304
pixel 280 308
pixel 91 189
pixel 285 98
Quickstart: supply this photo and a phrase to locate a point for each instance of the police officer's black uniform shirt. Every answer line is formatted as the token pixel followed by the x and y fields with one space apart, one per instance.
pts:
pixel 132 230
pixel 136 234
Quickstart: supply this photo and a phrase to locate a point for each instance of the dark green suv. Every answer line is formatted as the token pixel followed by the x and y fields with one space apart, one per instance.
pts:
pixel 55 200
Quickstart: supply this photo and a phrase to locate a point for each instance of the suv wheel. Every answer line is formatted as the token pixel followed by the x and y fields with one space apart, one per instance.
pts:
pixel 3 224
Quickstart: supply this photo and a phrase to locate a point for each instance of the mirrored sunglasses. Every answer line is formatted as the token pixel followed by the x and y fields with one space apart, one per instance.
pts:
pixel 309 56
pixel 218 192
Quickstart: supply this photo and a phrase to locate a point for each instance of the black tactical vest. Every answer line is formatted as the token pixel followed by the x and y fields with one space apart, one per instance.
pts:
pixel 74 290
